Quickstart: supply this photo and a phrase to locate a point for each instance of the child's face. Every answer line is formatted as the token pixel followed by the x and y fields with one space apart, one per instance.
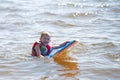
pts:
pixel 45 40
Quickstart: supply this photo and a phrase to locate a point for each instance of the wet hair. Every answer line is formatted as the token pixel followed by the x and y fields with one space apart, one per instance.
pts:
pixel 45 34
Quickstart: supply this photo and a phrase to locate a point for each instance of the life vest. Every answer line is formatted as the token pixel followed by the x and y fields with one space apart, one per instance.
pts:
pixel 34 52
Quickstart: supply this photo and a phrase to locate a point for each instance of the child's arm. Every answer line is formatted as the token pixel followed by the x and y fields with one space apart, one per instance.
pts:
pixel 61 45
pixel 38 52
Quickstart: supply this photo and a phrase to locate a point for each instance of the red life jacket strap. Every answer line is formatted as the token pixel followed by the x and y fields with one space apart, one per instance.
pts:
pixel 33 50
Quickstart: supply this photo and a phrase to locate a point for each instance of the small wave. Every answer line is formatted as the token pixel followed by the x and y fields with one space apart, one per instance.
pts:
pixel 49 13
pixel 82 48
pixel 116 10
pixel 102 5
pixel 10 9
pixel 105 45
pixel 63 23
pixel 74 4
pixel 113 56
pixel 70 4
pixel 108 20
pixel 81 14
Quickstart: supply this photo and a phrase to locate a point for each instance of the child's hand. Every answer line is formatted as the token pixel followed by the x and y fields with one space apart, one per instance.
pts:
pixel 41 56
pixel 67 42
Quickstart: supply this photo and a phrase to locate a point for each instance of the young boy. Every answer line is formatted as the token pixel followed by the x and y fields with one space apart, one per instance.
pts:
pixel 43 48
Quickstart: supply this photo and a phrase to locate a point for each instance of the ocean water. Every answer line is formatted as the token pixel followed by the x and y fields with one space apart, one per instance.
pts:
pixel 95 23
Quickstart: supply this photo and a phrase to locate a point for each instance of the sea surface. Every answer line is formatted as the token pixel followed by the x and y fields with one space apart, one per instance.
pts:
pixel 95 23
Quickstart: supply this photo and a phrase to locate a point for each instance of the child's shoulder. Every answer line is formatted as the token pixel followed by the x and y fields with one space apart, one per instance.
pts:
pixel 35 44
